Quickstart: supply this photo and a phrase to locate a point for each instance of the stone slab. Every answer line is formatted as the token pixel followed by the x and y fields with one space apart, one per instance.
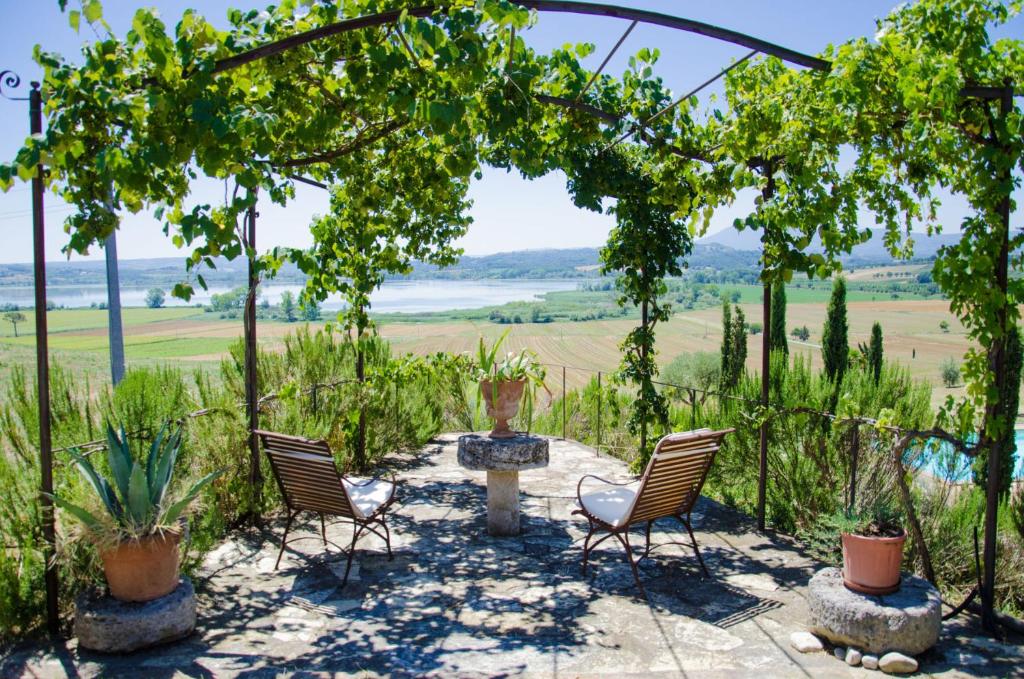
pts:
pixel 479 452
pixel 456 603
pixel 105 624
pixel 908 620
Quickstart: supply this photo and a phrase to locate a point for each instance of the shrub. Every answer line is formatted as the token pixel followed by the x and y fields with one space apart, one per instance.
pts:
pixel 155 298
pixel 701 369
pixel 950 373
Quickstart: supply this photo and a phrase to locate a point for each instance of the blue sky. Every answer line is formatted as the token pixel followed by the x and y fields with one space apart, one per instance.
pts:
pixel 510 214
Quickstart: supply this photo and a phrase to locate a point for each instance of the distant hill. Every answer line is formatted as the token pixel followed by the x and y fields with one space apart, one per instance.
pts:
pixel 873 252
pixel 562 263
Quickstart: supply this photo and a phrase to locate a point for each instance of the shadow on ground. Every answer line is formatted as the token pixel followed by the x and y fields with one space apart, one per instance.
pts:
pixel 454 601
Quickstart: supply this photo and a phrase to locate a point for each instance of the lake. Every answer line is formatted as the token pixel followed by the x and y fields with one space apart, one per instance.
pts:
pixel 406 296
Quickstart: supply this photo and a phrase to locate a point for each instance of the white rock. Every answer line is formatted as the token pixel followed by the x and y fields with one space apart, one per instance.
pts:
pixel 839 652
pixel 869 662
pixel 897 663
pixel 753 581
pixel 853 657
pixel 805 642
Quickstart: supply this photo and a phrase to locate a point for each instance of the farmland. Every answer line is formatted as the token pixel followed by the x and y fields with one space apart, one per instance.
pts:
pixel 191 338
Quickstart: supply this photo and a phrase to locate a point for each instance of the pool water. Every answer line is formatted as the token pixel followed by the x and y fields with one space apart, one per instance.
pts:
pixel 946 463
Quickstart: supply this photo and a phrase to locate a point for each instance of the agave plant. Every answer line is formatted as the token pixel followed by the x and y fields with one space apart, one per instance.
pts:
pixel 140 500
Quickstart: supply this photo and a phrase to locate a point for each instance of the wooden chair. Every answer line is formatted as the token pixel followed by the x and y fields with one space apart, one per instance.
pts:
pixel 309 481
pixel 669 486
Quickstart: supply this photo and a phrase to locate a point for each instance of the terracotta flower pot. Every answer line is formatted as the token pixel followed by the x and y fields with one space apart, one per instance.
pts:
pixel 871 565
pixel 504 407
pixel 143 570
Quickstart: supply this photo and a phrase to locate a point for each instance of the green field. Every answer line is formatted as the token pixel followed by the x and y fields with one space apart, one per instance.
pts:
pixel 189 337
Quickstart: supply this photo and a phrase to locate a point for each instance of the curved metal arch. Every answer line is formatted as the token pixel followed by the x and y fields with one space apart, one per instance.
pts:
pixel 555 6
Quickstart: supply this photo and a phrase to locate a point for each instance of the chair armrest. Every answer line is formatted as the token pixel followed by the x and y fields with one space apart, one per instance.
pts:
pixel 592 476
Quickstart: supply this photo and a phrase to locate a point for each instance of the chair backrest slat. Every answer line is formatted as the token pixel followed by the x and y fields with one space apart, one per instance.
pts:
pixel 675 475
pixel 306 474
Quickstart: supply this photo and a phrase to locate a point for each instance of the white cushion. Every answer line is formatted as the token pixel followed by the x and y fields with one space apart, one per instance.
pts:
pixel 611 506
pixel 368 495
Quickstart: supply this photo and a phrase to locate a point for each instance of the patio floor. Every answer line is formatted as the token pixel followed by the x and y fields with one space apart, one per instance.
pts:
pixel 457 602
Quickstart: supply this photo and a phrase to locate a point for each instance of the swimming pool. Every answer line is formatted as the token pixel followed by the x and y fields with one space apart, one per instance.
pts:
pixel 946 463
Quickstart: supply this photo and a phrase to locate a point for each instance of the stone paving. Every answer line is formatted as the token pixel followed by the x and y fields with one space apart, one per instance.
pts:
pixel 455 602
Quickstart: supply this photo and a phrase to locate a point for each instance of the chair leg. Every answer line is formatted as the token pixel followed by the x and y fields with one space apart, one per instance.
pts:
pixel 696 550
pixel 323 529
pixel 624 539
pixel 647 538
pixel 284 539
pixel 586 546
pixel 356 529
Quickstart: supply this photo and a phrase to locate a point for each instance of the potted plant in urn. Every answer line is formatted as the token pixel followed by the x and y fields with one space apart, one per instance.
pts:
pixel 872 543
pixel 136 522
pixel 506 381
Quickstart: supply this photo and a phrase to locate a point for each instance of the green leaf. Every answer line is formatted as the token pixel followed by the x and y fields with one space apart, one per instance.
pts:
pixel 80 513
pixel 93 10
pixel 152 461
pixel 175 510
pixel 120 459
pixel 99 484
pixel 165 466
pixel 139 506
pixel 75 19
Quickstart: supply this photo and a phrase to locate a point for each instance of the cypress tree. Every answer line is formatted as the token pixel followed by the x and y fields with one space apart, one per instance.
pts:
pixel 835 344
pixel 777 337
pixel 1009 400
pixel 875 352
pixel 727 347
pixel 739 351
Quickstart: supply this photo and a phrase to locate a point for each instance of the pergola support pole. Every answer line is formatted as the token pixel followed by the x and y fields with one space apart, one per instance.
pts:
pixel 251 371
pixel 997 364
pixel 766 353
pixel 43 373
pixel 766 356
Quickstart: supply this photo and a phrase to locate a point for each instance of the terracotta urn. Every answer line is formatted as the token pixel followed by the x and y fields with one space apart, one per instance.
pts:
pixel 871 565
pixel 502 401
pixel 144 569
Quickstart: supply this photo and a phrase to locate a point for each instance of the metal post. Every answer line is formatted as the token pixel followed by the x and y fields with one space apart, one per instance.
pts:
pixel 997 364
pixel 563 403
pixel 693 409
pixel 599 399
pixel 854 454
pixel 251 370
pixel 35 106
pixel 766 353
pixel 361 377
pixel 643 357
pixel 115 332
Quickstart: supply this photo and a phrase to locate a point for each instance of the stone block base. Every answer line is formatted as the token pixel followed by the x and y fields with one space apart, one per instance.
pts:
pixel 908 620
pixel 103 623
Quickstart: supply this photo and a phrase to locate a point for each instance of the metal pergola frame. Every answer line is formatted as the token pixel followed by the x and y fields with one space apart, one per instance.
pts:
pixel 766 166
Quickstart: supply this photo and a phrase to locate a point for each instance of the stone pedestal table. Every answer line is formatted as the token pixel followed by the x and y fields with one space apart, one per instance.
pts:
pixel 502 459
